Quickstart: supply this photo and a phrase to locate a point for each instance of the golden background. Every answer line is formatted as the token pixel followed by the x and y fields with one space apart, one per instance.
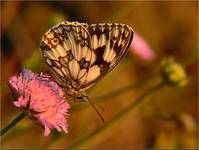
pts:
pixel 166 119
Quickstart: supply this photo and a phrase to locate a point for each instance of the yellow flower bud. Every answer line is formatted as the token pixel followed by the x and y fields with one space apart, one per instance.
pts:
pixel 173 72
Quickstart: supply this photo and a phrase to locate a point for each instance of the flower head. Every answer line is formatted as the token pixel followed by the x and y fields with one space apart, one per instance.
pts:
pixel 173 73
pixel 141 48
pixel 43 99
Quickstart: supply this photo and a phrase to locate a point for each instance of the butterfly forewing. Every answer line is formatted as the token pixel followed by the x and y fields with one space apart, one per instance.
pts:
pixel 66 49
pixel 81 54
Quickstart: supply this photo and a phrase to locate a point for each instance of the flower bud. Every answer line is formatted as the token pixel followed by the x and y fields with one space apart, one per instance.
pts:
pixel 173 72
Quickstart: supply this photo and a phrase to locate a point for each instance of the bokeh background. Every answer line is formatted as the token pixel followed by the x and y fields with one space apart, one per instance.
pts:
pixel 166 119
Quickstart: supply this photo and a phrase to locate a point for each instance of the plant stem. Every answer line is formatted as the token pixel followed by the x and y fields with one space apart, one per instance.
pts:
pixel 115 93
pixel 13 122
pixel 119 115
pixel 109 96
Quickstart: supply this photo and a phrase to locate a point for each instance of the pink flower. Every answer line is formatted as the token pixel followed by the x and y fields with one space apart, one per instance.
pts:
pixel 43 99
pixel 141 48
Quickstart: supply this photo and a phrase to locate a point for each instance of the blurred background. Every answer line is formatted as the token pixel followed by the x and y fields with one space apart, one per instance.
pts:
pixel 166 119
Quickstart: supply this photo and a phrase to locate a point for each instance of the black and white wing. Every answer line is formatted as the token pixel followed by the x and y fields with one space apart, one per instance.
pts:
pixel 66 50
pixel 79 54
pixel 109 43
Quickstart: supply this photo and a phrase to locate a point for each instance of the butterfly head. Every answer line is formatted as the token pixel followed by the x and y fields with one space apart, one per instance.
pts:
pixel 76 95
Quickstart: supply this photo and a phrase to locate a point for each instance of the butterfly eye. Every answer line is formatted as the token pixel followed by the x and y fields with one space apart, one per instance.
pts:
pixel 55 41
pixel 80 98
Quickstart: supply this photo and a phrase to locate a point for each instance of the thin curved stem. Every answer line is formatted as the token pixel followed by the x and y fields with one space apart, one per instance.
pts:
pixel 110 96
pixel 119 115
pixel 115 93
pixel 13 123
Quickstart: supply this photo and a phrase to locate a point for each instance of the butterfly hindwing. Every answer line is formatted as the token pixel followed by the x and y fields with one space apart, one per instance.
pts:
pixel 109 43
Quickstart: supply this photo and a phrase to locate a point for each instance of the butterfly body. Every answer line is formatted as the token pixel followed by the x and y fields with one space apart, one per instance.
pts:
pixel 79 54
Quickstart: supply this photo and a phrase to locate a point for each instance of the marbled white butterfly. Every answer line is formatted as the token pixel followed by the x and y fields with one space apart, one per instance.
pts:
pixel 79 54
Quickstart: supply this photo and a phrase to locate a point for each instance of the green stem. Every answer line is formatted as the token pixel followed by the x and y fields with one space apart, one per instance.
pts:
pixel 119 115
pixel 109 96
pixel 13 122
pixel 115 93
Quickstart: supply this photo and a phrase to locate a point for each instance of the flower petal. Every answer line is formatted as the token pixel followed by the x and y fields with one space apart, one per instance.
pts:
pixel 43 98
pixel 141 48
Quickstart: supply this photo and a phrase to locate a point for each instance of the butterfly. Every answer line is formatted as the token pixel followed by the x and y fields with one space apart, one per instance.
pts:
pixel 79 55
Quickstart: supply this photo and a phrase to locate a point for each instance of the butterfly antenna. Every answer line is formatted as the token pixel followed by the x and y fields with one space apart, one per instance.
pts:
pixel 100 107
pixel 94 106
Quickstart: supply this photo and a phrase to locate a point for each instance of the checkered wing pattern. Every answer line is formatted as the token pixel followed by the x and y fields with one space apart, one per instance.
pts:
pixel 80 54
